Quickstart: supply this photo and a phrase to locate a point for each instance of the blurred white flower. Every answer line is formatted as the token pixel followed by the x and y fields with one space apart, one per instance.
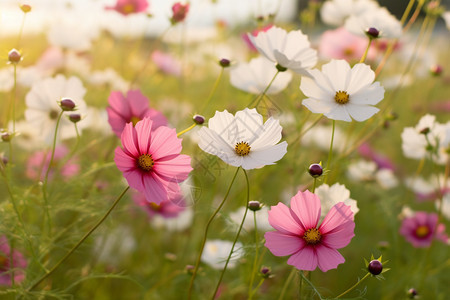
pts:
pixel 380 19
pixel 118 243
pixel 216 252
pixel 446 17
pixel 289 50
pixel 342 93
pixel 362 170
pixel 335 12
pixel 386 178
pixel 43 108
pixel 255 76
pixel 243 140
pixel 331 195
pixel 428 138
pixel 262 219
pixel 179 223
pixel 6 79
pixel 445 205
pixel 97 120
pixel 108 77
pixel 27 135
pixel 320 135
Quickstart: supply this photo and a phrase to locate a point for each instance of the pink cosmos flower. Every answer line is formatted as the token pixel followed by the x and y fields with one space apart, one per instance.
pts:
pixel 151 162
pixel 298 235
pixel 166 63
pixel 167 208
pixel 126 7
pixel 132 108
pixel 38 164
pixel 255 33
pixel 180 12
pixel 8 262
pixel 419 229
pixel 382 161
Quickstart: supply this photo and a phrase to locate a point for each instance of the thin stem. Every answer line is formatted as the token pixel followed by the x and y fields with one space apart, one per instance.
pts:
pixel 314 185
pixel 256 288
pixel 14 100
pixel 363 58
pixel 311 285
pixel 79 242
pixel 21 30
pixel 330 153
pixel 236 238
pixel 197 263
pixel 261 96
pixel 354 286
pixel 286 284
pixel 213 91
pixel 300 286
pixel 407 11
pixel 255 261
pixel 186 130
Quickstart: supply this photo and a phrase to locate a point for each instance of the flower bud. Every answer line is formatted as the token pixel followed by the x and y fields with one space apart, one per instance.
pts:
pixel 198 119
pixel 75 118
pixel 254 205
pixel 372 33
pixel 280 68
pixel 67 104
pixel 266 272
pixel 436 70
pixel 224 63
pixel 315 170
pixel 412 293
pixel 375 267
pixel 25 8
pixel 14 56
pixel 425 131
pixel 4 160
pixel 179 12
pixel 6 137
pixel 189 269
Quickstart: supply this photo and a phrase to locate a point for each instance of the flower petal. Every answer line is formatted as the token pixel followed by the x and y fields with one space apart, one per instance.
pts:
pixel 306 207
pixel 164 142
pixel 361 112
pixel 130 140
pixel 328 258
pixel 281 244
pixel 270 136
pixel 305 259
pixel 174 169
pixel 284 220
pixel 370 95
pixel 338 72
pixel 338 226
pixel 143 130
pixel 124 161
pixel 263 157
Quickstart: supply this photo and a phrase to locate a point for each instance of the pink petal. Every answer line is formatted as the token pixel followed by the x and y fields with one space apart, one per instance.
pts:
pixel 130 140
pixel 339 217
pixel 164 142
pixel 135 179
pixel 328 258
pixel 154 189
pixel 143 131
pixel 116 121
pixel 123 161
pixel 283 219
pixel 305 259
pixel 138 103
pixel 281 244
pixel 306 206
pixel 177 168
pixel 157 117
pixel 119 104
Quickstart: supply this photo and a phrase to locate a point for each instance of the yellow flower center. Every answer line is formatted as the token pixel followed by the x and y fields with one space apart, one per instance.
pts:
pixel 422 231
pixel 341 97
pixel 312 236
pixel 154 206
pixel 242 148
pixel 128 8
pixel 145 162
pixel 134 120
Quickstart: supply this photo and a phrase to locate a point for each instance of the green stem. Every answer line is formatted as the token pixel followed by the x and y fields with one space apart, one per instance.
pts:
pixel 197 263
pixel 363 58
pixel 213 91
pixel 256 288
pixel 21 30
pixel 311 285
pixel 79 242
pixel 286 283
pixel 330 153
pixel 186 130
pixel 255 261
pixel 354 286
pixel 14 100
pixel 236 238
pixel 314 185
pixel 261 96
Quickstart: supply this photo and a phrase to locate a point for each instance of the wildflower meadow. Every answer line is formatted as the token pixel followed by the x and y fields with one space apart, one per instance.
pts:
pixel 224 149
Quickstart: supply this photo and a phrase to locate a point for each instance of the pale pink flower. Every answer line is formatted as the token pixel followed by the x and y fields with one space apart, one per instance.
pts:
pixel 166 63
pixel 10 261
pixel 126 7
pixel 132 108
pixel 151 162
pixel 421 228
pixel 167 208
pixel 38 164
pixel 179 12
pixel 255 32
pixel 298 234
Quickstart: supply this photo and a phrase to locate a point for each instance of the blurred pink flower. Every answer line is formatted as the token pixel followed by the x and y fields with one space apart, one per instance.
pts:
pixel 297 233
pixel 255 33
pixel 166 63
pixel 8 262
pixel 39 161
pixel 179 12
pixel 382 161
pixel 151 162
pixel 126 7
pixel 419 229
pixel 341 44
pixel 167 208
pixel 132 108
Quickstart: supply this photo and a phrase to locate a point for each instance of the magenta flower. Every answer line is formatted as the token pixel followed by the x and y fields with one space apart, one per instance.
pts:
pixel 126 7
pixel 421 228
pixel 132 108
pixel 297 233
pixel 151 162
pixel 9 262
pixel 39 161
pixel 167 208
pixel 179 12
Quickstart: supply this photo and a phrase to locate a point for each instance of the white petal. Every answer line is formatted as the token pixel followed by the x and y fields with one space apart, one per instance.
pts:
pixel 338 112
pixel 361 76
pixel 311 89
pixel 270 136
pixel 338 73
pixel 249 125
pixel 318 106
pixel 224 124
pixel 369 95
pixel 361 112
pixel 267 156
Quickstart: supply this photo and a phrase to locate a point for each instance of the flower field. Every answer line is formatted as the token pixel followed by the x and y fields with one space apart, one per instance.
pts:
pixel 224 150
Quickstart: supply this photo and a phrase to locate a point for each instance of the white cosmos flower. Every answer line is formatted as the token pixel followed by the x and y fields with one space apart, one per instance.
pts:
pixel 362 170
pixel 342 93
pixel 255 76
pixel 335 12
pixel 262 219
pixel 216 253
pixel 416 141
pixel 289 50
pixel 379 18
pixel 446 17
pixel 331 195
pixel 243 140
pixel 43 108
